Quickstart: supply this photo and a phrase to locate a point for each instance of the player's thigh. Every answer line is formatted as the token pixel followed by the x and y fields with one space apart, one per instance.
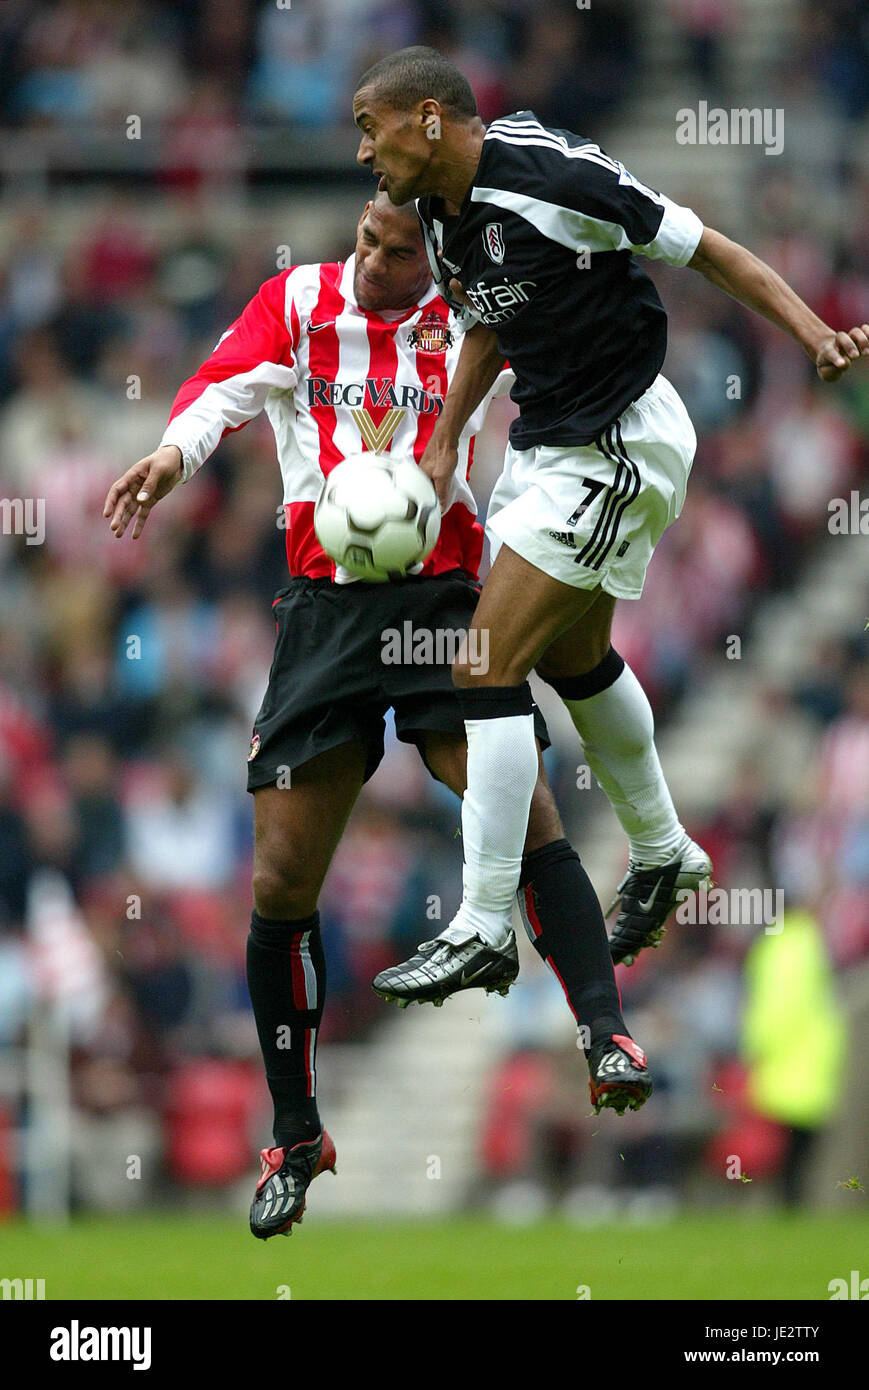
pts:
pixel 446 755
pixel 297 829
pixel 584 645
pixel 520 613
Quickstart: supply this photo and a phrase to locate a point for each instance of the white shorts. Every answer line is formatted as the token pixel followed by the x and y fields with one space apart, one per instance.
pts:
pixel 587 515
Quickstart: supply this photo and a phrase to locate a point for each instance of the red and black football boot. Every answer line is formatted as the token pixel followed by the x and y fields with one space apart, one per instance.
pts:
pixel 618 1075
pixel 279 1200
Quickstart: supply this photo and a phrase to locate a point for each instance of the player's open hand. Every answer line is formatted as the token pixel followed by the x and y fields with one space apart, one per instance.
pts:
pixel 840 350
pixel 440 461
pixel 140 487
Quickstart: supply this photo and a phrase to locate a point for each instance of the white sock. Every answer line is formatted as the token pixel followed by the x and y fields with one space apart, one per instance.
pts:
pixel 617 729
pixel 502 773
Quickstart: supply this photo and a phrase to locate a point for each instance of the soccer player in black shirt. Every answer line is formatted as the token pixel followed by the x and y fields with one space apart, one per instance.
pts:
pixel 536 231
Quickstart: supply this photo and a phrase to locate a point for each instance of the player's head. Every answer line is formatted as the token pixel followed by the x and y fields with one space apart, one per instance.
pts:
pixel 392 269
pixel 408 107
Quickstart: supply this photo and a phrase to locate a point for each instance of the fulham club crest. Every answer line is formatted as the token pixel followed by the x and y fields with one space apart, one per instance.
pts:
pixel 254 747
pixel 493 240
pixel 431 335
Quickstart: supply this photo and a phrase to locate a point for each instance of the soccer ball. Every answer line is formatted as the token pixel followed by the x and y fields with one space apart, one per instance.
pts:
pixel 377 516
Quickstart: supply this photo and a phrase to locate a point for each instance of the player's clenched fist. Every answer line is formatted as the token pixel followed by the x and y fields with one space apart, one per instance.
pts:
pixel 140 487
pixel 439 461
pixel 840 350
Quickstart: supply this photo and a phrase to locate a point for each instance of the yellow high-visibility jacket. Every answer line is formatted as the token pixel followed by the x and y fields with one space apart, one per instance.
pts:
pixel 794 1031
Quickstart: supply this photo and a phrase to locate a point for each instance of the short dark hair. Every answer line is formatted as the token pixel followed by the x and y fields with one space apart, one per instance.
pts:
pixel 382 201
pixel 410 75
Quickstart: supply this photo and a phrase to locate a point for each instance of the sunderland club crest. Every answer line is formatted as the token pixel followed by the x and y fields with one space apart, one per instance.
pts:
pixel 493 240
pixel 431 335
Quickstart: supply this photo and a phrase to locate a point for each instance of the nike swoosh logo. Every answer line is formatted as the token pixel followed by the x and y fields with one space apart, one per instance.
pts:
pixel 467 979
pixel 647 905
pixel 315 327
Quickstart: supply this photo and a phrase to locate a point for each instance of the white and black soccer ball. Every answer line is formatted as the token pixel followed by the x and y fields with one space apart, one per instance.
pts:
pixel 377 516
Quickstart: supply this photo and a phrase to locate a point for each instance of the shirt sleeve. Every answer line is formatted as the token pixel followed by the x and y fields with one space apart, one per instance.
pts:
pixel 678 232
pixel 635 217
pixel 256 355
pixel 579 196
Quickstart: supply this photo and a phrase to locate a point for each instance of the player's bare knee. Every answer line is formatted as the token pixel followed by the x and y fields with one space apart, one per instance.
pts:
pixel 586 655
pixel 467 668
pixel 282 892
pixel 510 671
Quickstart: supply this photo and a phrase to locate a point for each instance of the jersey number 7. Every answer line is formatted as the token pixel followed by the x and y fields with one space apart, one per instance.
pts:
pixel 593 490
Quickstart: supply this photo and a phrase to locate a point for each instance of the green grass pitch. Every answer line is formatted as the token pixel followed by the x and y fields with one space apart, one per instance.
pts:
pixel 694 1256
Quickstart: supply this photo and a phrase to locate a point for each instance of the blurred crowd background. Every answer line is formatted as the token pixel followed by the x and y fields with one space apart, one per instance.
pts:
pixel 156 159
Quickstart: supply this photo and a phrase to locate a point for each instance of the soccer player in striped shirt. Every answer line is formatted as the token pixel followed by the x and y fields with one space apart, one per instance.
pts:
pixel 343 356
pixel 538 232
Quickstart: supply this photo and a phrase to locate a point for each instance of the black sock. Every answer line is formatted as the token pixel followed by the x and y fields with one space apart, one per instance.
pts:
pixel 286 977
pixel 565 924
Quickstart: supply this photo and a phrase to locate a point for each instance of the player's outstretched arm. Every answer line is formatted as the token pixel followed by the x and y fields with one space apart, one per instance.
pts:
pixel 750 280
pixel 478 367
pixel 140 487
pixel 255 355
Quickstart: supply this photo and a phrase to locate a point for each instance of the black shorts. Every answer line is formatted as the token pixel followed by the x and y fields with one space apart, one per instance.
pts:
pixel 338 666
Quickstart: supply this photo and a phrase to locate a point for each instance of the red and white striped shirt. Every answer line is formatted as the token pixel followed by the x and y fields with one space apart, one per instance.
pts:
pixel 334 380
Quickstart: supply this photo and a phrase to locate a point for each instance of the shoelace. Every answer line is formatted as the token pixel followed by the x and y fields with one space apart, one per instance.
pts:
pixel 447 951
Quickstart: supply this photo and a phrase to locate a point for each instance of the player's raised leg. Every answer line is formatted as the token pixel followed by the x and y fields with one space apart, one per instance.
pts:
pixel 502 757
pixel 564 922
pixel 613 717
pixel 297 829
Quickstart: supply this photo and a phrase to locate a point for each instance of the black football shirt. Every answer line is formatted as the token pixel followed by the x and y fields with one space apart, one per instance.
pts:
pixel 544 247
